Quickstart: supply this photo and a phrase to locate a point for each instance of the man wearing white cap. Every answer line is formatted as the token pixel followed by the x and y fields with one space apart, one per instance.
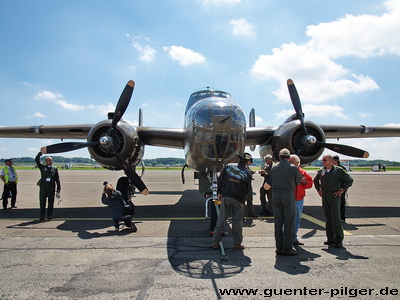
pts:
pixel 285 178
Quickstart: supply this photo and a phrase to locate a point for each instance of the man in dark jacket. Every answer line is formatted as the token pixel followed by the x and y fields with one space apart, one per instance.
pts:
pixel 285 178
pixel 234 186
pixel 331 182
pixel 267 209
pixel 49 185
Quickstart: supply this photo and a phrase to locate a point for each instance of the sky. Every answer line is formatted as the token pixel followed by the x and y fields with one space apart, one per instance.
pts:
pixel 67 62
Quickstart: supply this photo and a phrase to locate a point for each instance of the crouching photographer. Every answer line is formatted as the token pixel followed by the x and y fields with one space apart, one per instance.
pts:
pixel 120 210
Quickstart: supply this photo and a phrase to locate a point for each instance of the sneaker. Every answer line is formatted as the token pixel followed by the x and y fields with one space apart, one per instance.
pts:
pixel 338 245
pixel 116 229
pixel 238 247
pixel 133 227
pixel 13 206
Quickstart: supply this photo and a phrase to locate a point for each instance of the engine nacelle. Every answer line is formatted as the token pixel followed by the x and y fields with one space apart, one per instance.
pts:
pixel 125 141
pixel 290 135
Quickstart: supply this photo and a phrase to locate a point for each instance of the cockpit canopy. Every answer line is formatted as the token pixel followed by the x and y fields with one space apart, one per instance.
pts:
pixel 217 124
pixel 197 96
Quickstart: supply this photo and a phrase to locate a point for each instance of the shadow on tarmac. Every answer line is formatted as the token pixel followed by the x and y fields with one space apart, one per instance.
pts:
pixel 292 264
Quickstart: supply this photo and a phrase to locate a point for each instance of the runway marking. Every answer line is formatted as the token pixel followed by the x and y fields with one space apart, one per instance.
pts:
pixel 319 222
pixel 107 219
pixel 304 216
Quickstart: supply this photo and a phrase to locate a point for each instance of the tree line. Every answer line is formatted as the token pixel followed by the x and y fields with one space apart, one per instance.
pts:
pixel 180 162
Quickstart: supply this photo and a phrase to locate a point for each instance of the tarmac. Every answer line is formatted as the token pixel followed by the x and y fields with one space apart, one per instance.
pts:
pixel 76 256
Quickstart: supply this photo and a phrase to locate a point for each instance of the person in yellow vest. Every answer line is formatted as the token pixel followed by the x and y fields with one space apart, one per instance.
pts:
pixel 10 178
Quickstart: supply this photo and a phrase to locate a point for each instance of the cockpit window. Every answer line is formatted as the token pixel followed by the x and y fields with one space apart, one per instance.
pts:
pixel 204 116
pixel 197 96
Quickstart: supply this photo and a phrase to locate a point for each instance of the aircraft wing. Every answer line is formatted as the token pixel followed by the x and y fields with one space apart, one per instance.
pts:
pixel 263 135
pixel 161 137
pixel 259 135
pixel 79 131
pixel 153 136
pixel 361 131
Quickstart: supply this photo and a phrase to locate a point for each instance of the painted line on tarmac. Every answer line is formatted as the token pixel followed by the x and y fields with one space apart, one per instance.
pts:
pixel 107 219
pixel 319 222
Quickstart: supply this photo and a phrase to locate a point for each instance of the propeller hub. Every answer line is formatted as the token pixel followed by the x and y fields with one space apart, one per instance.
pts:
pixel 105 141
pixel 311 140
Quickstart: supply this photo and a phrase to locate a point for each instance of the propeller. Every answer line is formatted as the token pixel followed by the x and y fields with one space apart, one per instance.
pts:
pixel 107 141
pixel 309 139
pixel 68 146
pixel 123 103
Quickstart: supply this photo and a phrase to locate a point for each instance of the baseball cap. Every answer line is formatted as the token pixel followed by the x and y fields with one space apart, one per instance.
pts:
pixel 284 152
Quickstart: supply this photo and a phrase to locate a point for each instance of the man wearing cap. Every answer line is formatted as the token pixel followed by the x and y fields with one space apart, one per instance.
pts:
pixel 267 209
pixel 285 178
pixel 49 185
pixel 10 178
pixel 234 185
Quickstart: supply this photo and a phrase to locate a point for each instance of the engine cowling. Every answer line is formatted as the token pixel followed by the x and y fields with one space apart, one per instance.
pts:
pixel 290 135
pixel 125 141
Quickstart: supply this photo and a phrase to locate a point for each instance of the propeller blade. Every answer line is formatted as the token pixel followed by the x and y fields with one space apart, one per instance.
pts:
pixel 68 146
pixel 294 96
pixel 132 175
pixel 123 103
pixel 344 149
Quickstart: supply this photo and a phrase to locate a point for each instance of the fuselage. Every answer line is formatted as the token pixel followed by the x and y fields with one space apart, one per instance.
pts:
pixel 215 129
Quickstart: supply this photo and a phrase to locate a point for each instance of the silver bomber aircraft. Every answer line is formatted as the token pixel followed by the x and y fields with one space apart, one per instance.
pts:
pixel 214 134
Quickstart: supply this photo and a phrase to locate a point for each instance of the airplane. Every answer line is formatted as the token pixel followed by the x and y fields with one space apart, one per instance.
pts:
pixel 213 135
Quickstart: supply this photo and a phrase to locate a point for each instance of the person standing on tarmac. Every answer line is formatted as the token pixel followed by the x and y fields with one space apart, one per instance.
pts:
pixel 343 197
pixel 331 182
pixel 234 185
pixel 285 178
pixel 267 209
pixel 49 185
pixel 10 178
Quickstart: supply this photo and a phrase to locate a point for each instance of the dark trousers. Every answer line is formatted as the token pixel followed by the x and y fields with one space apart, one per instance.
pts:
pixel 264 195
pixel 343 206
pixel 9 188
pixel 334 229
pixel 284 214
pixel 46 195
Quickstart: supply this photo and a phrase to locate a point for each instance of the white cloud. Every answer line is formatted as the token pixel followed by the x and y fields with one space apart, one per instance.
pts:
pixel 241 27
pixel 47 95
pixel 146 52
pixel 36 115
pixel 365 115
pixel 312 110
pixel 307 66
pixel 64 104
pixel 312 65
pixel 184 56
pixel 105 109
pixel 362 36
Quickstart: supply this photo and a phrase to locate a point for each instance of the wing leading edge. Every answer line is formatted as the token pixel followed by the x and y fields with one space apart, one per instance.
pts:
pixel 360 131
pixel 79 131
